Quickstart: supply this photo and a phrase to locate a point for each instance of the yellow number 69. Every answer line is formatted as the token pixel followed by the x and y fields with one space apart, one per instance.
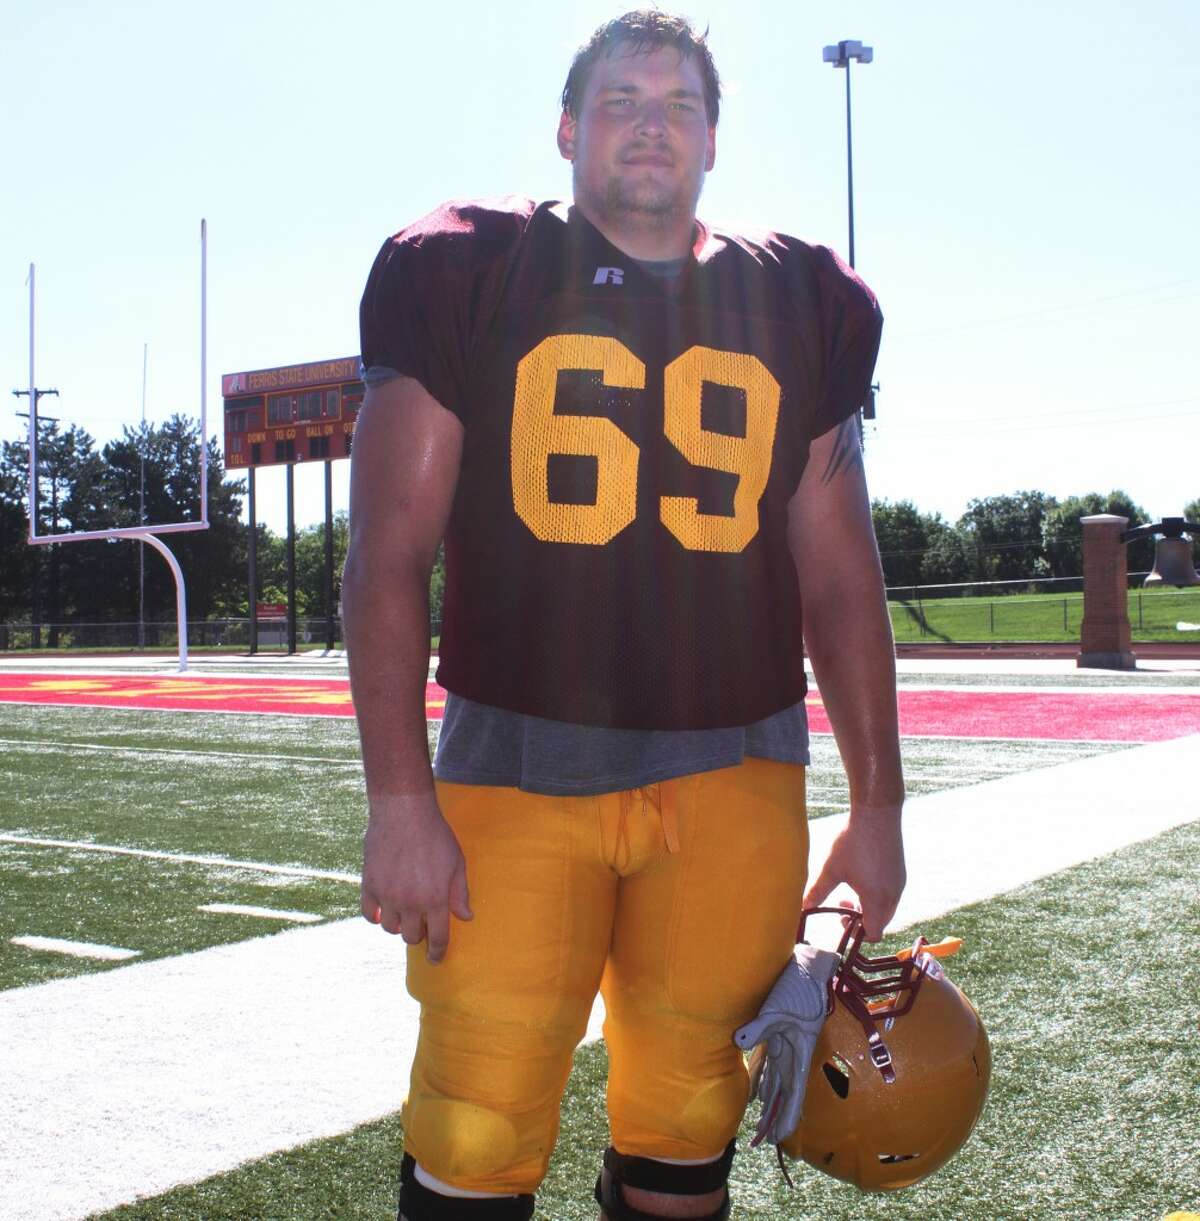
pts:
pixel 537 432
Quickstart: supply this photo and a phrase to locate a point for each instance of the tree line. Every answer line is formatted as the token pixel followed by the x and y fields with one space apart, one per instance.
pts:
pixel 151 474
pixel 1024 536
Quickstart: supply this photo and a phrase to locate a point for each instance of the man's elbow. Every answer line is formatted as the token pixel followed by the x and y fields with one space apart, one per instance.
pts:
pixel 374 575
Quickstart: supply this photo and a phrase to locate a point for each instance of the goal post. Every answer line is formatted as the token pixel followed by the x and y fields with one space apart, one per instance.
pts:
pixel 142 533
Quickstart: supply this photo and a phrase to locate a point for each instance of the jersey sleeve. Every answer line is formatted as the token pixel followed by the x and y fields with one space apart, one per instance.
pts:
pixel 419 310
pixel 852 323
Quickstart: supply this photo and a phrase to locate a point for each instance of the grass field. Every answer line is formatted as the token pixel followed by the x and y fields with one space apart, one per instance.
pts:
pixel 1088 979
pixel 1153 616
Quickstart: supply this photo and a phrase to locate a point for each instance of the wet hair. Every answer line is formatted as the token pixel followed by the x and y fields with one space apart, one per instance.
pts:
pixel 643 31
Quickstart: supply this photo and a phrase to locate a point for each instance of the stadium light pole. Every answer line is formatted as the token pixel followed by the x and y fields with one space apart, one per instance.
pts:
pixel 840 55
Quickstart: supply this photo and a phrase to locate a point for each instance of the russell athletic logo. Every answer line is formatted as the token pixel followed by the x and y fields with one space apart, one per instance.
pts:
pixel 609 275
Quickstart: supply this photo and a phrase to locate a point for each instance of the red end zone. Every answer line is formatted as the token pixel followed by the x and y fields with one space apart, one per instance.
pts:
pixel 1094 716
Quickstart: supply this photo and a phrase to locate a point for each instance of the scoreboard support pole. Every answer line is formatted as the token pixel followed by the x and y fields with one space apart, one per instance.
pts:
pixel 252 576
pixel 329 632
pixel 281 416
pixel 291 558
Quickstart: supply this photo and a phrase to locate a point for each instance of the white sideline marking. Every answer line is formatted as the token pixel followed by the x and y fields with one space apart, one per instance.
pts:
pixel 77 949
pixel 966 844
pixel 248 756
pixel 265 913
pixel 275 714
pixel 220 862
pixel 175 1069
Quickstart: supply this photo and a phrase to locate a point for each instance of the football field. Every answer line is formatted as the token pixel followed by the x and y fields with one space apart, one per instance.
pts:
pixel 195 1023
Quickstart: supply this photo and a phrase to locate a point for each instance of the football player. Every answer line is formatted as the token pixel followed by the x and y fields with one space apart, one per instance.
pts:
pixel 637 435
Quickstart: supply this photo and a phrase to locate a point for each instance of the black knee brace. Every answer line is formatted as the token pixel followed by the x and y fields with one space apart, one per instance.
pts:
pixel 418 1203
pixel 652 1175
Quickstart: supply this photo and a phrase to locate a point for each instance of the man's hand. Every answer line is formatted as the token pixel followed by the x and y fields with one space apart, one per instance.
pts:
pixel 414 875
pixel 869 857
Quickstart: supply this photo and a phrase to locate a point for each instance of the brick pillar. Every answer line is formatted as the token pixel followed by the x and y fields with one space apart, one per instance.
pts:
pixel 1104 635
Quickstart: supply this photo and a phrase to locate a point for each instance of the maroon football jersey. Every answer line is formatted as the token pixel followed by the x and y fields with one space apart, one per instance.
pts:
pixel 617 553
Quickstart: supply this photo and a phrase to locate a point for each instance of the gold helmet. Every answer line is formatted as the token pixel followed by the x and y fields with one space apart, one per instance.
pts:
pixel 900 1071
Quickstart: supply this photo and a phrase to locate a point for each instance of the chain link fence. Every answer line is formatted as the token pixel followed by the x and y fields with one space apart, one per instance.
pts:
pixel 1039 610
pixel 230 634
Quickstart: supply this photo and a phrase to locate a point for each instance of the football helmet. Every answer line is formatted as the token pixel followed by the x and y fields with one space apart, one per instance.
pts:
pixel 901 1067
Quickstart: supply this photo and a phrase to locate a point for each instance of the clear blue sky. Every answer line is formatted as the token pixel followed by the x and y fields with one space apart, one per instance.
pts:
pixel 1027 195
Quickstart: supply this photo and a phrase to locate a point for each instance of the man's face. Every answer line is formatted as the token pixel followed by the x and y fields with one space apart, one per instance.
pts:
pixel 641 143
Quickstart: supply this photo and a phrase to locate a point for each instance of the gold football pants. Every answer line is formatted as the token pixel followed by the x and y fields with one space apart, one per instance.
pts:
pixel 679 901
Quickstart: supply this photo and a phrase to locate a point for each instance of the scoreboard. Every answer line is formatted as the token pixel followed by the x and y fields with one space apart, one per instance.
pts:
pixel 296 413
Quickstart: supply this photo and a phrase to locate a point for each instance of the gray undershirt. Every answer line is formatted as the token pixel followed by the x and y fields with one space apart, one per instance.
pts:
pixel 481 744
pixel 485 745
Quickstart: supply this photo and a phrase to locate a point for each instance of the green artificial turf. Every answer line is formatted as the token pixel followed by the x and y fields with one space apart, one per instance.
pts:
pixel 1087 982
pixel 137 904
pixel 251 788
pixel 284 791
pixel 934 764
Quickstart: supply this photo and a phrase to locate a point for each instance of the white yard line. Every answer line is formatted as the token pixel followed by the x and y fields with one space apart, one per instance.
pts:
pixel 76 949
pixel 186 1067
pixel 971 843
pixel 263 913
pixel 243 756
pixel 217 862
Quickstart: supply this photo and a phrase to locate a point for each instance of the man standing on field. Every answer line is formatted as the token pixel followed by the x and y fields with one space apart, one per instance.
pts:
pixel 637 435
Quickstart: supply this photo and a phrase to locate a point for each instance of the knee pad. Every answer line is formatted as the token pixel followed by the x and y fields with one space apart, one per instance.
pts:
pixel 651 1175
pixel 418 1203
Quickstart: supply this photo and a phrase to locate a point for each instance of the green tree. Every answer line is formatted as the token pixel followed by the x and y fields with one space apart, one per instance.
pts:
pixel 949 556
pixel 213 561
pixel 16 562
pixel 1062 533
pixel 70 498
pixel 80 489
pixel 16 555
pixel 233 600
pixel 902 532
pixel 437 589
pixel 1004 536
pixel 310 565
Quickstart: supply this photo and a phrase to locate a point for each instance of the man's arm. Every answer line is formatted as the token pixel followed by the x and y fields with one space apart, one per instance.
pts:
pixel 848 635
pixel 407 451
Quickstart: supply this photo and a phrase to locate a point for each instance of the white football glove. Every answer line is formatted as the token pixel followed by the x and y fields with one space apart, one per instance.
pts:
pixel 787 1027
